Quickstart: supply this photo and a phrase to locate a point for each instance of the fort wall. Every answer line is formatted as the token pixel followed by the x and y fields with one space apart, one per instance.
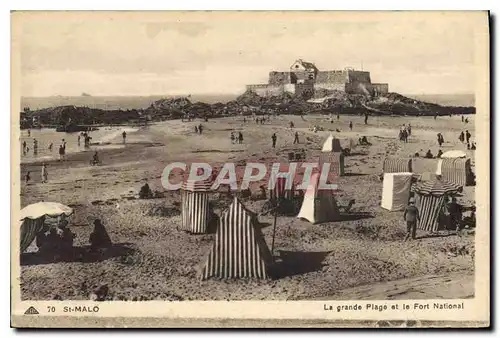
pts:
pixel 279 78
pixel 265 90
pixel 330 86
pixel 358 76
pixel 331 76
pixel 380 88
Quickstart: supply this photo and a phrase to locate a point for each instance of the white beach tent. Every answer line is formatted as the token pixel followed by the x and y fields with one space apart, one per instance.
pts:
pixel 332 144
pixel 319 205
pixel 396 191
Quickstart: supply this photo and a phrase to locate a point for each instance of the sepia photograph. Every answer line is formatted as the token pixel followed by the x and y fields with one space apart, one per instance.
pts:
pixel 340 159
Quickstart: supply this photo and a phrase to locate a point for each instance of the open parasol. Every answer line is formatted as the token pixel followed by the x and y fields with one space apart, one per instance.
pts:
pixel 40 209
pixel 436 186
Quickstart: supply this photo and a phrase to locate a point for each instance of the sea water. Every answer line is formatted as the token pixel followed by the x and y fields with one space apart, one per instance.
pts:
pixel 103 138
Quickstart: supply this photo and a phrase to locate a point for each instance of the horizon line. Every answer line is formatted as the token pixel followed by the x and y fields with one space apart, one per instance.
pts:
pixel 210 94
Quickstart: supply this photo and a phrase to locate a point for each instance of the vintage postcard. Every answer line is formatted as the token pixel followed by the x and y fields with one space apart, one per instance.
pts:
pixel 250 169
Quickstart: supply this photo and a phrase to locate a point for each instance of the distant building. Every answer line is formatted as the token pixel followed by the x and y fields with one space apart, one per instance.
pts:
pixel 304 78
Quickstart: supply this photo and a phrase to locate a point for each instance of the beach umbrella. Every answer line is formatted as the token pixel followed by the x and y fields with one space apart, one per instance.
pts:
pixel 41 209
pixel 454 154
pixel 437 187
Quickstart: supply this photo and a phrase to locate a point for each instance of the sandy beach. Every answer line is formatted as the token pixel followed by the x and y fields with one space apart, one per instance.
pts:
pixel 363 257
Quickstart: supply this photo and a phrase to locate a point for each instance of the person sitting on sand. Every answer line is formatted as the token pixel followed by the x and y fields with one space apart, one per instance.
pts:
pixel 416 154
pixel 145 191
pixel 53 242
pixel 95 158
pixel 440 152
pixel 428 154
pixel 41 238
pixel 99 238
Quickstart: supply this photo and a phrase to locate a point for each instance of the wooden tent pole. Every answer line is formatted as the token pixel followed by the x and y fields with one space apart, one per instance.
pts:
pixel 274 227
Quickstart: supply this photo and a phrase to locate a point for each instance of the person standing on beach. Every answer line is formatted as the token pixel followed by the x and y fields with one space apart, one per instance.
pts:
pixel 24 147
pixel 467 136
pixel 61 153
pixel 366 118
pixel 411 215
pixel 462 118
pixel 45 174
pixel 350 125
pixel 200 129
pixel 29 133
pixel 27 177
pixel 124 136
pixel 78 140
pixel 273 138
pixel 35 146
pixel 232 137
pixel 50 146
pixel 461 137
pixel 409 129
pixel 296 140
pixel 338 116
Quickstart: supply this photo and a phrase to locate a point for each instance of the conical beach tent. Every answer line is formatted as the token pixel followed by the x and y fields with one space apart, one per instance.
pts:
pixel 396 191
pixel 397 165
pixel 332 144
pixel 430 198
pixel 336 160
pixel 280 191
pixel 239 250
pixel 319 205
pixel 195 208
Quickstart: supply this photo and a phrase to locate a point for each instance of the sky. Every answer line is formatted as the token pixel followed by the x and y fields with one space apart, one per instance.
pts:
pixel 194 53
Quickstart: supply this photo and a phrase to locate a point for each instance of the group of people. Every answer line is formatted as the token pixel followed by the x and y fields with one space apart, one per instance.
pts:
pixel 58 240
pixel 455 217
pixel 404 133
pixel 236 139
pixel 198 129
pixel 465 137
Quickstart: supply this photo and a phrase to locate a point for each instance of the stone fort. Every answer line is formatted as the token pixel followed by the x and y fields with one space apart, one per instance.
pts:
pixel 304 78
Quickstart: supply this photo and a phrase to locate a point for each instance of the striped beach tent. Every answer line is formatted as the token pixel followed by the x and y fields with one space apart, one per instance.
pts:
pixel 239 250
pixel 332 144
pixel 430 198
pixel 456 170
pixel 397 165
pixel 195 208
pixel 336 160
pixel 319 205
